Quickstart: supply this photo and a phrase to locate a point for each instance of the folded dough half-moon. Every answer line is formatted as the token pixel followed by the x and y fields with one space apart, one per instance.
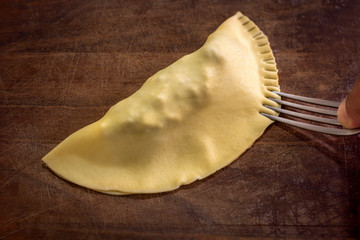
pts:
pixel 186 122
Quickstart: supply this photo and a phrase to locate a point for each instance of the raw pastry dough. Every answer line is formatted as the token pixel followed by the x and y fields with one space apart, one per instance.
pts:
pixel 186 122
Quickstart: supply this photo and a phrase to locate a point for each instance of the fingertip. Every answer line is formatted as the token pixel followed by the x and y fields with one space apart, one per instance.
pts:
pixel 343 116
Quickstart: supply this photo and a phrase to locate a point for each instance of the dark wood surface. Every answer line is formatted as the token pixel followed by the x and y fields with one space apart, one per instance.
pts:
pixel 64 63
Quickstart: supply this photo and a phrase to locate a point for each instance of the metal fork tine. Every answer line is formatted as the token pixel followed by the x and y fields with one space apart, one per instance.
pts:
pixel 332 121
pixel 322 129
pixel 309 100
pixel 335 131
pixel 307 108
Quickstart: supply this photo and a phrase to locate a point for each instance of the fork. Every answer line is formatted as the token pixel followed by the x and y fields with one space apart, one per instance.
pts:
pixel 330 112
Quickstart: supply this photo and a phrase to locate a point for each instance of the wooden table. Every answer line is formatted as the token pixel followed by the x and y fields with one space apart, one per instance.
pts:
pixel 64 63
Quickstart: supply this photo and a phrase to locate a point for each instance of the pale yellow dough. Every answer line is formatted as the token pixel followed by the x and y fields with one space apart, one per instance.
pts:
pixel 186 122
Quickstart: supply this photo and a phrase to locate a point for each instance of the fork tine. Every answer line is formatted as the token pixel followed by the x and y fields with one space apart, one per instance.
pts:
pixel 329 130
pixel 309 100
pixel 322 129
pixel 332 121
pixel 307 108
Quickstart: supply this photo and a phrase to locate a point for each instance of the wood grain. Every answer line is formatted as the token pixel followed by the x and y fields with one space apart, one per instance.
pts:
pixel 64 63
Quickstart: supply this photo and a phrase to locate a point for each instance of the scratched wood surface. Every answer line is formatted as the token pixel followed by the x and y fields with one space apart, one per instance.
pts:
pixel 64 63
